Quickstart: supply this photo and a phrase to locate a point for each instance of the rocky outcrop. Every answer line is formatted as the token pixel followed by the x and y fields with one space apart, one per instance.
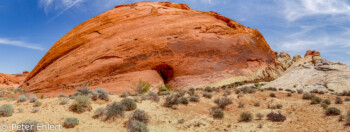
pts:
pixel 186 48
pixel 284 59
pixel 314 73
pixel 7 80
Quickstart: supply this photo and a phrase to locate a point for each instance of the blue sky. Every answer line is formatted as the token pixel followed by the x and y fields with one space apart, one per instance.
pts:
pixel 28 28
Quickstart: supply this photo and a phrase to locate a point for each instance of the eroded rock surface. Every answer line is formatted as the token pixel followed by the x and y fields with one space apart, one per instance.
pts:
pixel 199 47
pixel 312 72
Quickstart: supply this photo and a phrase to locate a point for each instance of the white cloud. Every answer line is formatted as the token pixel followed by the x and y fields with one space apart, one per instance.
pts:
pixel 58 5
pixel 4 41
pixel 296 9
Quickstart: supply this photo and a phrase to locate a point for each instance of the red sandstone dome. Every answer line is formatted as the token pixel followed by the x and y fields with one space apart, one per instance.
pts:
pixel 156 42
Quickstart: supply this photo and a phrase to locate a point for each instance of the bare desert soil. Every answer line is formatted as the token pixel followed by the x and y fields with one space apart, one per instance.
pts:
pixel 301 115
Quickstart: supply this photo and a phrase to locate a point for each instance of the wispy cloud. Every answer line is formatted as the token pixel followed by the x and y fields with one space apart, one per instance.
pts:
pixel 58 5
pixel 296 9
pixel 4 41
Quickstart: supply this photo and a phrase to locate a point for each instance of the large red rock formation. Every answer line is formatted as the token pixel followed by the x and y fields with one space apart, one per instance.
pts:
pixel 155 42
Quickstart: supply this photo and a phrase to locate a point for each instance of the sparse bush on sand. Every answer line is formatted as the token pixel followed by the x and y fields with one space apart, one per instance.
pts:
pixel 81 104
pixel 70 122
pixel 223 102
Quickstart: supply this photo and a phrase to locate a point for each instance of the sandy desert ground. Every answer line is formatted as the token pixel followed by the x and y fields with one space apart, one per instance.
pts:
pixel 301 115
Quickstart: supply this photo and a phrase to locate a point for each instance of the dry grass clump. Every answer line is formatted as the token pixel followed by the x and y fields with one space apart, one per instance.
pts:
pixel 82 103
pixel 223 102
pixel 70 122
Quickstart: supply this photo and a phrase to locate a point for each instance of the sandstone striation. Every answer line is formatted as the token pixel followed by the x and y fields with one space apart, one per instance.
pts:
pixel 7 80
pixel 158 42
pixel 314 73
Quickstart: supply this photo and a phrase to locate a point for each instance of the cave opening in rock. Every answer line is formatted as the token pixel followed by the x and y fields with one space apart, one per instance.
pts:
pixel 165 71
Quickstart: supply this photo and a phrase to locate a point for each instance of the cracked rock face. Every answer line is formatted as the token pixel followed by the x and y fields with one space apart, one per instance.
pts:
pixel 312 72
pixel 156 42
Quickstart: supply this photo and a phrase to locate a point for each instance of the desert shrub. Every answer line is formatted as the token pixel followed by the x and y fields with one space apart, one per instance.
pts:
pixel 208 89
pixel 324 105
pixel 82 91
pixel 327 101
pixel 114 110
pixel 314 91
pixel 98 112
pixel 194 98
pixel 276 117
pixel 240 105
pixel 32 123
pixel 142 87
pixel 289 94
pixel 137 126
pixel 70 122
pixel 62 95
pixel 143 97
pixel 260 125
pixel 21 98
pixel 182 93
pixel 300 91
pixel 245 90
pixel 321 92
pixel 288 90
pixel 81 104
pixel 124 94
pixel 316 100
pixel 182 100
pixel 217 113
pixel 153 96
pixel 272 95
pixel 307 96
pixel 257 104
pixel 164 93
pixel 181 121
pixel 347 99
pixel 245 117
pixel 338 100
pixel 191 91
pixel 279 106
pixel 223 102
pixel 37 103
pixel 139 115
pixel 64 101
pixel 6 110
pixel 271 89
pixel 227 92
pixel 216 89
pixel 164 88
pixel 330 111
pixel 259 116
pixel 32 98
pixel 207 95
pixel 129 104
pixel 171 100
pixel 100 93
pixel 35 109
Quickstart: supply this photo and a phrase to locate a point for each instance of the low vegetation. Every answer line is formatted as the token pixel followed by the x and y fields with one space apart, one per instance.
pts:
pixel 6 110
pixel 81 104
pixel 70 122
pixel 276 117
pixel 223 102
pixel 142 87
